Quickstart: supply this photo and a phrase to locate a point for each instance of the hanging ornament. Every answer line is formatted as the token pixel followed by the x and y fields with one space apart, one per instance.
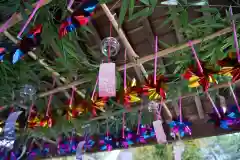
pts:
pixel 2 53
pixel 126 140
pixel 80 17
pixel 110 46
pixel 106 143
pixel 89 143
pixel 98 103
pixel 230 67
pixel 197 78
pixel 28 43
pixel 28 92
pixel 155 92
pixel 179 127
pixel 39 4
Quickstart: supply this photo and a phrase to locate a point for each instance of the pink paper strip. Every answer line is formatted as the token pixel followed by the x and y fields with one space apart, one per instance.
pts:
pixel 155 60
pixel 125 71
pixel 180 109
pixel 107 80
pixel 195 56
pixel 235 35
pixel 70 4
pixel 159 131
pixel 30 18
pixel 213 104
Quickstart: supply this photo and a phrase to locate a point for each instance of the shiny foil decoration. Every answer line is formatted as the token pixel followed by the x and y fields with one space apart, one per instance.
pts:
pixel 230 67
pixel 127 140
pixel 106 143
pixel 98 103
pixel 130 93
pixel 155 92
pixel 229 117
pixel 196 78
pixel 179 129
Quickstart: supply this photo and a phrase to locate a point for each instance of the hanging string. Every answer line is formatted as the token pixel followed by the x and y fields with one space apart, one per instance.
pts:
pixel 235 34
pixel 30 112
pixel 50 98
pixel 180 109
pixel 155 60
pixel 234 96
pixel 72 97
pixel 95 88
pixel 160 109
pixel 213 104
pixel 139 118
pixel 109 47
pixel 125 71
pixel 70 4
pixel 107 129
pixel 123 125
pixel 30 18
pixel 195 56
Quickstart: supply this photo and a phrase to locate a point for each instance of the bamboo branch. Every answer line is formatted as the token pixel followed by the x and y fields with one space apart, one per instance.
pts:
pixel 41 61
pixel 151 57
pixel 131 53
pixel 17 17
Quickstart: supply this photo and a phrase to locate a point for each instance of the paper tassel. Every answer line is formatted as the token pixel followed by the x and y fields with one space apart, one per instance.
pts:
pixel 107 80
pixel 79 153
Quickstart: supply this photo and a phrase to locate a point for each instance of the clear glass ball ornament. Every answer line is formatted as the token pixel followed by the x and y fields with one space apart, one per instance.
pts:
pixel 28 92
pixel 110 44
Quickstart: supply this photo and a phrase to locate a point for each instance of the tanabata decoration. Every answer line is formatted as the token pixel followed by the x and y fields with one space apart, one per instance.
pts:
pixel 89 143
pixel 228 118
pixel 75 111
pixel 99 103
pixel 127 141
pixel 155 92
pixel 199 75
pixel 106 143
pixel 131 94
pixel 28 43
pixel 230 67
pixel 2 53
pixel 197 78
pixel 179 127
pixel 146 132
pixel 80 17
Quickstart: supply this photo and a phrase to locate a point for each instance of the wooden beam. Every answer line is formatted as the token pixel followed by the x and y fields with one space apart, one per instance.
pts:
pixel 199 107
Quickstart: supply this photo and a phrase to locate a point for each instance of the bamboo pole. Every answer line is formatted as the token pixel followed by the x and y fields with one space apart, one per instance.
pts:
pixel 151 57
pixel 132 55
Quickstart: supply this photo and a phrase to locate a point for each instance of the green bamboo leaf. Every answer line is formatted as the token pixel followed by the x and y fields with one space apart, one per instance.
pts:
pixel 184 18
pixel 23 13
pixel 123 12
pixel 28 6
pixel 146 2
pixel 131 7
pixel 209 10
pixel 141 13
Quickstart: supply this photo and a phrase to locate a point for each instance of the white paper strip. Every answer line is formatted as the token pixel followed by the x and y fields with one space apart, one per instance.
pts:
pixel 79 152
pixel 178 149
pixel 125 155
pixel 159 131
pixel 107 80
pixel 9 128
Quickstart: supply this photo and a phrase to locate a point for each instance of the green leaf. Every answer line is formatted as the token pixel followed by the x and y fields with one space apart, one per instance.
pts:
pixel 209 10
pixel 146 2
pixel 131 7
pixel 123 11
pixel 28 6
pixel 184 18
pixel 141 13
